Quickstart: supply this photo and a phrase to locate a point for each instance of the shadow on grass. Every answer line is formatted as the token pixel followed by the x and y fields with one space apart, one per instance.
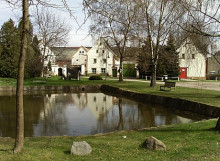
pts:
pixel 5 150
pixel 67 152
pixel 178 130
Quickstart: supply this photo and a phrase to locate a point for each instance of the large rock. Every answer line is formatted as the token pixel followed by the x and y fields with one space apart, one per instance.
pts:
pixel 81 148
pixel 217 127
pixel 152 143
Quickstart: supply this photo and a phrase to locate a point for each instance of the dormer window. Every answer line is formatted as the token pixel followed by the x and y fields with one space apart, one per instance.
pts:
pixel 183 56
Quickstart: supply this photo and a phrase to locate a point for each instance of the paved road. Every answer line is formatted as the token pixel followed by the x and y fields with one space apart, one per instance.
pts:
pixel 201 85
pixel 192 84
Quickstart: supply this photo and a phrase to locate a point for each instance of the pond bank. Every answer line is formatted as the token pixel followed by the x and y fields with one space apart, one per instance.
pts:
pixel 28 89
pixel 177 103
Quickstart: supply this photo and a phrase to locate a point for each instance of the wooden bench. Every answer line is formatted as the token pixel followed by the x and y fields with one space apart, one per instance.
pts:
pixel 168 85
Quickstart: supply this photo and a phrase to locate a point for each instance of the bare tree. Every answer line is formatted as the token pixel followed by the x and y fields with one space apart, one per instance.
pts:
pixel 51 30
pixel 203 17
pixel 158 18
pixel 112 20
pixel 19 139
pixel 203 22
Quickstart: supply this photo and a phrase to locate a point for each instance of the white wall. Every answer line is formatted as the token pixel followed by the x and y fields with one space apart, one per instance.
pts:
pixel 49 55
pixel 55 69
pixel 196 68
pixel 103 53
pixel 79 57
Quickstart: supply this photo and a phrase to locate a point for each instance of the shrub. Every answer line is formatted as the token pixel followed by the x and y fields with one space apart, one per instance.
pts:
pixel 95 77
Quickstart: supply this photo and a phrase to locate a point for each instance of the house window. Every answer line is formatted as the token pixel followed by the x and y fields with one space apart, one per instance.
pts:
pixel 77 60
pixel 193 56
pixel 94 99
pixel 94 61
pixel 85 59
pixel 104 99
pixel 100 44
pixel 82 51
pixel 94 70
pixel 102 70
pixel 103 51
pixel 183 56
pixel 97 51
pixel 79 51
pixel 104 61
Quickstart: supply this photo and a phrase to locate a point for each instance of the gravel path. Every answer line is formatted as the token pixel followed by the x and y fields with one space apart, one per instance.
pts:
pixel 193 84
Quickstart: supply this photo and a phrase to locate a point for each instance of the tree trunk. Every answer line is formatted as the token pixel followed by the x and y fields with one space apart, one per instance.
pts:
pixel 154 75
pixel 217 127
pixel 19 138
pixel 121 70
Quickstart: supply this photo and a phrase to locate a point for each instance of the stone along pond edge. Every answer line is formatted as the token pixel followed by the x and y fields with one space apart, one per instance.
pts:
pixel 177 103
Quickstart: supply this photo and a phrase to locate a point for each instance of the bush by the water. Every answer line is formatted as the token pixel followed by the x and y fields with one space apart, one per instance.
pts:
pixel 95 77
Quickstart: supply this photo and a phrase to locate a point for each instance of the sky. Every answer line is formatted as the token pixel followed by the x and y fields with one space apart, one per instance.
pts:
pixel 77 37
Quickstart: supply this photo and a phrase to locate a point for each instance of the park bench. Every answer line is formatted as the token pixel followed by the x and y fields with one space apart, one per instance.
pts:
pixel 168 85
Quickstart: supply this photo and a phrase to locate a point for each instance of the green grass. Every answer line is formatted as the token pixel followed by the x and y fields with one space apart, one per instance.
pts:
pixel 204 96
pixel 194 141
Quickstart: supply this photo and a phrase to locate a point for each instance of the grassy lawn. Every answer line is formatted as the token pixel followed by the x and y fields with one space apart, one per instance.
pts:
pixel 198 95
pixel 195 141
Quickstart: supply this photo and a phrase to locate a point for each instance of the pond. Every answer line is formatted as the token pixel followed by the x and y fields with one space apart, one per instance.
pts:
pixel 75 114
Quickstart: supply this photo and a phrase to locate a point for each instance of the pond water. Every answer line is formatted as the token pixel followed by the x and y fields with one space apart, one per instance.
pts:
pixel 75 114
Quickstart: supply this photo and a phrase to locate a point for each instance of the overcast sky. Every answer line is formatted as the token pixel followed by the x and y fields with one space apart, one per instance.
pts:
pixel 77 36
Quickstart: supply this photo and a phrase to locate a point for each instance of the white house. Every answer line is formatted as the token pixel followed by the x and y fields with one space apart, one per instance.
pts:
pixel 79 59
pixel 101 59
pixel 63 57
pixel 192 61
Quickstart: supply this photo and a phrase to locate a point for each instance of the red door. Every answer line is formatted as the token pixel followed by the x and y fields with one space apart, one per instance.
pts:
pixel 183 73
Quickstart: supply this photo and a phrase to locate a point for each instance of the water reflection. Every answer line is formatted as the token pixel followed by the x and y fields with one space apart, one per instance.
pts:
pixel 82 114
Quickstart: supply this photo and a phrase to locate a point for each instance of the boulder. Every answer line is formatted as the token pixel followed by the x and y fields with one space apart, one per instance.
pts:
pixel 217 127
pixel 152 143
pixel 81 148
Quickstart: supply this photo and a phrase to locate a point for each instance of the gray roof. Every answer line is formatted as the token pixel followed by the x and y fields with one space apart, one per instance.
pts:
pixel 64 53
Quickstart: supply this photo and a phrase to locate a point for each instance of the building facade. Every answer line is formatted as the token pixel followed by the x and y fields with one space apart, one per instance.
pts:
pixel 101 59
pixel 192 62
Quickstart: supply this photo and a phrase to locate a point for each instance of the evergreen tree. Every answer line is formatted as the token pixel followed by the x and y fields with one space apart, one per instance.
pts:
pixel 35 64
pixel 172 67
pixel 10 48
pixel 144 62
pixel 168 63
pixel 33 55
